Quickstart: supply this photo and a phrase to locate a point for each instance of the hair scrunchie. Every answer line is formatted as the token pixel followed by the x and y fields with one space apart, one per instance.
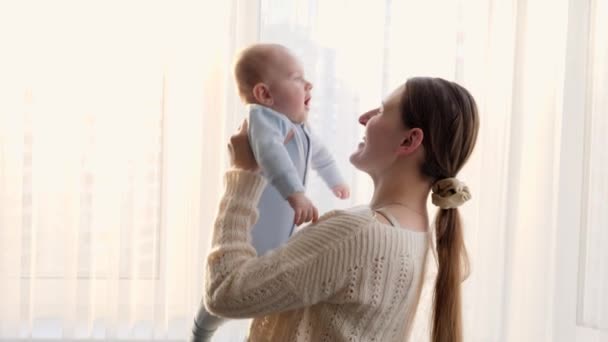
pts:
pixel 449 193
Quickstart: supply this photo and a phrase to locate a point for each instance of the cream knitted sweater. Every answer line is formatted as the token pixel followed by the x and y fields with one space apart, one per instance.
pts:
pixel 346 278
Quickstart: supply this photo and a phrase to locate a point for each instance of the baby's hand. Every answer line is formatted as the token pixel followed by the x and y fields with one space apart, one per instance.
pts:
pixel 305 211
pixel 341 191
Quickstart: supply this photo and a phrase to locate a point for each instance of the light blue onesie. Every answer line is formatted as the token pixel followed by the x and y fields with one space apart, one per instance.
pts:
pixel 286 168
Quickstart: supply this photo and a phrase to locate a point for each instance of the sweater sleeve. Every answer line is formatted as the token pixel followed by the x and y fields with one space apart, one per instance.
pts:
pixel 267 132
pixel 303 272
pixel 323 162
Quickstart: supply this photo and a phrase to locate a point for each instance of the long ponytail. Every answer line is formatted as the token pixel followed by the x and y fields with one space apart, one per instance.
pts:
pixel 447 114
pixel 453 266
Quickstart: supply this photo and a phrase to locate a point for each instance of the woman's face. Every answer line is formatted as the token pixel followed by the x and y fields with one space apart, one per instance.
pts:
pixel 384 134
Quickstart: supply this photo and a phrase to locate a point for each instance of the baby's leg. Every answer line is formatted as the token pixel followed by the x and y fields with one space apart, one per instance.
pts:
pixel 205 325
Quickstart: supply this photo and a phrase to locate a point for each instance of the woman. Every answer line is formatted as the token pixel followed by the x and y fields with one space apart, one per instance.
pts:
pixel 356 275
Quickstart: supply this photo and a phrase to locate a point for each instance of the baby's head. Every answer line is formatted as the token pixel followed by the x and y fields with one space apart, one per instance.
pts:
pixel 269 75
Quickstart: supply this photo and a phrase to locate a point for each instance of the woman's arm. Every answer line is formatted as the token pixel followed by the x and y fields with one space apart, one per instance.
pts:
pixel 305 271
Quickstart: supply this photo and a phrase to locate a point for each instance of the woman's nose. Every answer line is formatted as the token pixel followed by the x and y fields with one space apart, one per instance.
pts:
pixel 363 119
pixel 308 85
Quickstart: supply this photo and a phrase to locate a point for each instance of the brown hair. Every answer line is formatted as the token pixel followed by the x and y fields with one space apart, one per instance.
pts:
pixel 251 67
pixel 447 114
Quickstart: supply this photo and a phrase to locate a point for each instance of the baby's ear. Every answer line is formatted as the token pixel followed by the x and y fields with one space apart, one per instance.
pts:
pixel 261 94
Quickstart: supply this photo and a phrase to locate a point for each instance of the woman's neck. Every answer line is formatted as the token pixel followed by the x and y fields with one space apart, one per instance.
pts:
pixel 402 192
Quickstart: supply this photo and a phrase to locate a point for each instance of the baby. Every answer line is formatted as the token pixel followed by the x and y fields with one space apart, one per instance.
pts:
pixel 271 83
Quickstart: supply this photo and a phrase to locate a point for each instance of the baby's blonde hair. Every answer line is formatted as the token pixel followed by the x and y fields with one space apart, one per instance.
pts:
pixel 252 66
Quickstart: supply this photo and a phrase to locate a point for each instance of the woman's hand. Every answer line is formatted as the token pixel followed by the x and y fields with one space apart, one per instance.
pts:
pixel 241 155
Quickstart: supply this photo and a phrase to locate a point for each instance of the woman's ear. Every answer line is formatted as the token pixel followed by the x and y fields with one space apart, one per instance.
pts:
pixel 261 94
pixel 411 141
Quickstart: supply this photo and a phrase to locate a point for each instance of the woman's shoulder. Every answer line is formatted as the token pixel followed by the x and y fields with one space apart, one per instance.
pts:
pixel 360 220
pixel 359 214
pixel 339 223
pixel 342 227
pixel 333 229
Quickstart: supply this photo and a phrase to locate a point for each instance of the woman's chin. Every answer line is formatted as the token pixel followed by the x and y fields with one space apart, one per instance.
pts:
pixel 352 158
pixel 355 158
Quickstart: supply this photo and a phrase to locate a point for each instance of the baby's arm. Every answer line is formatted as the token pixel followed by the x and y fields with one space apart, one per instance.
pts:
pixel 323 162
pixel 304 210
pixel 267 132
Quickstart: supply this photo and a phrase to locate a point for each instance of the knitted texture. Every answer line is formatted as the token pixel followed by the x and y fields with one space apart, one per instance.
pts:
pixel 346 278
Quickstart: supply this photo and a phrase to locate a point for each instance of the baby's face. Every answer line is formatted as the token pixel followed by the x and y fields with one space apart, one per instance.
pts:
pixel 289 89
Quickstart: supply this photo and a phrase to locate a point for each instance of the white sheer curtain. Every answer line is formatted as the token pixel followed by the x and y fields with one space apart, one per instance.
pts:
pixel 592 257
pixel 114 117
pixel 111 154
